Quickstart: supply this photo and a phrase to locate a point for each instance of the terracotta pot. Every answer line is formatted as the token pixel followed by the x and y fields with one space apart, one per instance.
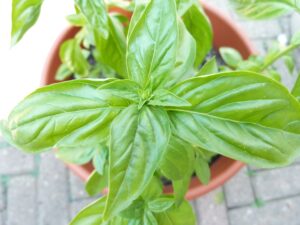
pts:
pixel 226 33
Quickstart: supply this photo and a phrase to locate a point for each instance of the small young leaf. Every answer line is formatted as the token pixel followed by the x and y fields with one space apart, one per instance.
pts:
pixel 296 38
pixel 78 155
pixel 200 28
pixel 289 62
pixel 164 97
pixel 210 67
pixel 96 183
pixel 296 88
pixel 181 215
pixel 273 74
pixel 161 204
pixel 71 55
pixel 149 219
pixel 24 15
pixel 180 188
pixel 77 20
pixel 202 170
pixel 92 214
pixel 231 56
pixel 100 159
pixel 153 190
pixel 177 163
pixel 63 73
pixel 96 15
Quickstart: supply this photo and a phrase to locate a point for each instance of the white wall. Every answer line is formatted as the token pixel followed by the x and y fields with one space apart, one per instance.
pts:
pixel 21 66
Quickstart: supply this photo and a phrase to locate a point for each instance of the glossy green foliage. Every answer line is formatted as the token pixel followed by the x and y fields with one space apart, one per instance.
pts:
pixel 156 31
pixel 74 60
pixel 139 138
pixel 95 13
pixel 162 119
pixel 243 104
pixel 200 28
pixel 265 9
pixel 24 14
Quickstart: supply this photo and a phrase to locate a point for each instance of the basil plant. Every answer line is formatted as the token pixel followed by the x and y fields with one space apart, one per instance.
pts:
pixel 142 110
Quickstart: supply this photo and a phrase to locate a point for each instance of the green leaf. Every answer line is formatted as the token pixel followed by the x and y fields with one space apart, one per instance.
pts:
pixel 77 154
pixel 296 88
pixel 184 5
pixel 161 204
pixel 231 56
pixel 266 9
pixel 210 67
pixel 71 55
pixel 202 170
pixel 96 15
pixel 77 20
pixel 164 97
pixel 185 56
pixel 66 114
pixel 296 39
pixel 93 215
pixel 151 51
pixel 200 28
pixel 273 74
pixel 138 142
pixel 63 72
pixel 149 219
pixel 96 183
pixel 100 159
pixel 181 187
pixel 259 111
pixel 111 50
pixel 24 15
pixel 178 161
pixel 122 88
pixel 289 62
pixel 153 190
pixel 182 215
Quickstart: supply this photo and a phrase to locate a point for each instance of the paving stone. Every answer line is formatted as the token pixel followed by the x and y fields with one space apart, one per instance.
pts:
pixel 21 205
pixel 283 212
pixel 77 187
pixel 211 209
pixel 15 161
pixel 77 206
pixel 1 197
pixel 278 183
pixel 261 29
pixel 295 21
pixel 53 191
pixel 238 190
pixel 1 218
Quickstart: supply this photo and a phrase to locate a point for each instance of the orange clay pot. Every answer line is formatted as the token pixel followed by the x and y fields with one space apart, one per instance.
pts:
pixel 226 33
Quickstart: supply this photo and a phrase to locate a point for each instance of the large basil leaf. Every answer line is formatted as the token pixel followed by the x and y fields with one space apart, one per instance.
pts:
pixel 184 5
pixel 111 50
pixel 182 215
pixel 265 9
pixel 151 50
pixel 185 56
pixel 71 55
pixel 258 110
pixel 76 154
pixel 200 28
pixel 96 15
pixel 24 15
pixel 138 142
pixel 64 115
